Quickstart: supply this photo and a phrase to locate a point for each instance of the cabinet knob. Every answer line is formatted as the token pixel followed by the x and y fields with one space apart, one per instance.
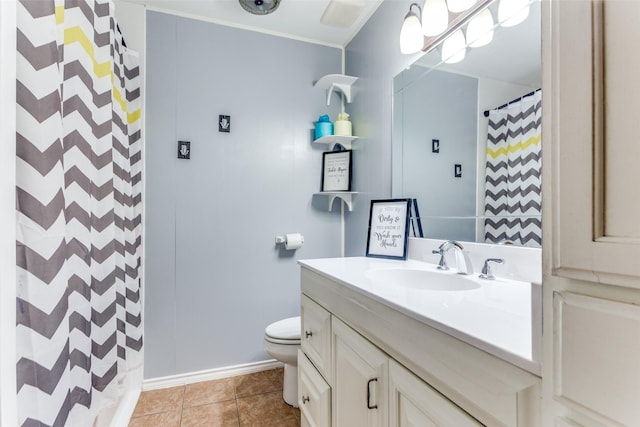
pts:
pixel 307 334
pixel 305 399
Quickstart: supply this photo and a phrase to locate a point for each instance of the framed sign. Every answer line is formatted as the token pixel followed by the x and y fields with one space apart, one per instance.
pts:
pixel 388 228
pixel 336 171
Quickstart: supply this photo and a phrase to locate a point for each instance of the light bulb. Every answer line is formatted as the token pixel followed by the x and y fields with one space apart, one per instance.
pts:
pixel 454 48
pixel 435 17
pixel 411 37
pixel 457 6
pixel 480 29
pixel 512 12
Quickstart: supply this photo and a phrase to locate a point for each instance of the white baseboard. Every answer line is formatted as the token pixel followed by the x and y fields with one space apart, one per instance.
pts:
pixel 210 374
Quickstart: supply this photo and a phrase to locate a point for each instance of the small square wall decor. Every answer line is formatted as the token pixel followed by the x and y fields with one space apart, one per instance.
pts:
pixel 184 150
pixel 224 123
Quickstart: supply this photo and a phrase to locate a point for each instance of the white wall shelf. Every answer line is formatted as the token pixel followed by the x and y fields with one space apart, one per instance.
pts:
pixel 343 84
pixel 332 140
pixel 336 81
pixel 345 196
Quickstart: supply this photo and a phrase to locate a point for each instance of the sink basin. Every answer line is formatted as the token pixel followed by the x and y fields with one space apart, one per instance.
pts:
pixel 421 279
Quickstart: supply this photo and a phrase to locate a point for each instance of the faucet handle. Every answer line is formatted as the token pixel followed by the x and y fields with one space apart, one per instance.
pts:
pixel 486 268
pixel 442 264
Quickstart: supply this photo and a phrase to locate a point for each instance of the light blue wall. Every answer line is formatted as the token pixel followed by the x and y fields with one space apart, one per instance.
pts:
pixel 214 278
pixel 373 56
pixel 444 106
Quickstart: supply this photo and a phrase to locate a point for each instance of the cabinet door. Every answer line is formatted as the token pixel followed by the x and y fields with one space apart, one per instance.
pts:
pixel 413 403
pixel 593 198
pixel 360 375
pixel 316 335
pixel 314 395
pixel 591 128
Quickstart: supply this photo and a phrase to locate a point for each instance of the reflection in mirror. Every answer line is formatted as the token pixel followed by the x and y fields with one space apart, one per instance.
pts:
pixel 472 162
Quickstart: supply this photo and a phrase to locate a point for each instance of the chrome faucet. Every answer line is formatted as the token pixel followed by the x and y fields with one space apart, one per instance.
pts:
pixel 463 262
pixel 486 268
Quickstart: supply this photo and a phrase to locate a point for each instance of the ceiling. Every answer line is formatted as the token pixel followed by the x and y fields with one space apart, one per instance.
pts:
pixel 301 19
pixel 298 19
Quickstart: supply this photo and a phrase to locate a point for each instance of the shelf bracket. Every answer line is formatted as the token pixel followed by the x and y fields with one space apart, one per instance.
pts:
pixel 346 198
pixel 344 88
pixel 338 82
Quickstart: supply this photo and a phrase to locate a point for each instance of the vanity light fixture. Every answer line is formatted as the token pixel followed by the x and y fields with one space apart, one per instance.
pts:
pixel 433 20
pixel 454 48
pixel 480 29
pixel 512 12
pixel 435 17
pixel 411 36
pixel 457 6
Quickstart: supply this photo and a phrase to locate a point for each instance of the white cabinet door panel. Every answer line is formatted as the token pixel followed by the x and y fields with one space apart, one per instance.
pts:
pixel 596 360
pixel 413 403
pixel 315 338
pixel 590 135
pixel 360 372
pixel 314 395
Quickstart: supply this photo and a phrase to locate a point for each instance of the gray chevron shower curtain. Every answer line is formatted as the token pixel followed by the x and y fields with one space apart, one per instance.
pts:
pixel 513 171
pixel 78 201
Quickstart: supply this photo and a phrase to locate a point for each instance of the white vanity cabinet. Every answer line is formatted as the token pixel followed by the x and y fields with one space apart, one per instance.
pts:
pixel 368 387
pixel 386 368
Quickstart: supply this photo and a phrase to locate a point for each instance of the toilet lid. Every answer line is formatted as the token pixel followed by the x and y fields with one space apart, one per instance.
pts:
pixel 285 329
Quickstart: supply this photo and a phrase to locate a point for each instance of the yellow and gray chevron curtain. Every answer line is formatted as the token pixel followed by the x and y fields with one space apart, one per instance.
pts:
pixel 514 166
pixel 78 199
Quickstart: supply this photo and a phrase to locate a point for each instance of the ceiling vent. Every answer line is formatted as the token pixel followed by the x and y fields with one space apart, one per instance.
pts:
pixel 260 7
pixel 342 13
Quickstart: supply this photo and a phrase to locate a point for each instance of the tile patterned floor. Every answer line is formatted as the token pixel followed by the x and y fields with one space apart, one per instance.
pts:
pixel 253 400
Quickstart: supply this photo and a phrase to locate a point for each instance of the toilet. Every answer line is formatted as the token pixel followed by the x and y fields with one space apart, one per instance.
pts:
pixel 282 341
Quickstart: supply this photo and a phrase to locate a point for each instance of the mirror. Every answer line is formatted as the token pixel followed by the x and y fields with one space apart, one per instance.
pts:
pixel 473 181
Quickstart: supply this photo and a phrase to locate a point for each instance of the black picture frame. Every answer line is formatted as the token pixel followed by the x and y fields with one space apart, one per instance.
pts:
pixel 388 234
pixel 224 123
pixel 184 150
pixel 336 171
pixel 435 146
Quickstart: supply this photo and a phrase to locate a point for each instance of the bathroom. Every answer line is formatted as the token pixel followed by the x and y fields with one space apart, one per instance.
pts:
pixel 213 277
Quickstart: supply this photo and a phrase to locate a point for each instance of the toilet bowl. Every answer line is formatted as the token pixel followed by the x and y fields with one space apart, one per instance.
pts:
pixel 282 341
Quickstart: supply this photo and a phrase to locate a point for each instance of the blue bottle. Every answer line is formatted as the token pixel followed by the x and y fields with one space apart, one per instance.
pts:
pixel 324 126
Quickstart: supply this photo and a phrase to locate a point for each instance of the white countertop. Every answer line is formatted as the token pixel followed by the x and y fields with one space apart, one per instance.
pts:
pixel 495 317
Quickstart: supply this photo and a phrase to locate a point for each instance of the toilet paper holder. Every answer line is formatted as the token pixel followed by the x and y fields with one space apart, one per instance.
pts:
pixel 290 241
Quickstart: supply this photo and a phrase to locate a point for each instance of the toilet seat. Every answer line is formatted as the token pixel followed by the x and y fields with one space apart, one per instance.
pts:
pixel 284 332
pixel 281 342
